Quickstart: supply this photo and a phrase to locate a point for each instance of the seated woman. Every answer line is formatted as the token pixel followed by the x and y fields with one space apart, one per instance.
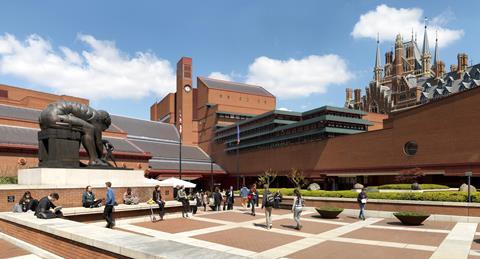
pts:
pixel 129 197
pixel 27 202
pixel 88 199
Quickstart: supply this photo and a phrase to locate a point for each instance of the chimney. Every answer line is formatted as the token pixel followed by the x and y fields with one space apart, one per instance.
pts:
pixel 453 68
pixel 349 94
pixel 439 69
pixel 462 59
pixel 358 93
pixel 388 57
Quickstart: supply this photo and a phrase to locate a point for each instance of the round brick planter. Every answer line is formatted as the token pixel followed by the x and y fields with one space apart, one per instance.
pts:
pixel 411 220
pixel 329 214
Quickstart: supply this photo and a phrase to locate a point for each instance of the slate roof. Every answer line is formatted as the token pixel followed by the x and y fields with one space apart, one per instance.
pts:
pixel 170 151
pixel 173 165
pixel 237 87
pixel 19 113
pixel 144 128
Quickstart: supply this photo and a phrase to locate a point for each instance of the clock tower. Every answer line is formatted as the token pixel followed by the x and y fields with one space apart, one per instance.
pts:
pixel 184 100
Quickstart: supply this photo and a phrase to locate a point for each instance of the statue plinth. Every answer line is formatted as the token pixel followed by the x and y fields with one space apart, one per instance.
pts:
pixel 58 148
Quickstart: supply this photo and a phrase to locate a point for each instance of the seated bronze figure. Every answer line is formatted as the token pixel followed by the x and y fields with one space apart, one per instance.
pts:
pixel 81 118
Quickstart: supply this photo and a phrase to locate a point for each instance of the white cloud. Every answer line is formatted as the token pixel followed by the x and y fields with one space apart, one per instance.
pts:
pixel 100 71
pixel 296 78
pixel 389 21
pixel 284 109
pixel 220 76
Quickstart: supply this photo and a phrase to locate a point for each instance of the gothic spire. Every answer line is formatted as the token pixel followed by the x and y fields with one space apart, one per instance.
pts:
pixel 377 56
pixel 435 55
pixel 426 48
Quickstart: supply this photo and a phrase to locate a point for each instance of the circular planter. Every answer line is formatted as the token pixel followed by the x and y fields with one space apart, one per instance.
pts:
pixel 411 220
pixel 329 214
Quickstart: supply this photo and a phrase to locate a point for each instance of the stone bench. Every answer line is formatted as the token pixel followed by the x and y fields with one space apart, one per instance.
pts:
pixel 120 211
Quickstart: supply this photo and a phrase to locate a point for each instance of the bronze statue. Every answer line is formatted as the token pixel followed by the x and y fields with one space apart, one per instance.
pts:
pixel 77 117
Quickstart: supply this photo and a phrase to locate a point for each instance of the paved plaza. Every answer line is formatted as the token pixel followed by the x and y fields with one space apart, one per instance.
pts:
pixel 238 233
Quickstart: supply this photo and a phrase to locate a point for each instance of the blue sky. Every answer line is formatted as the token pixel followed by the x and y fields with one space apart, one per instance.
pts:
pixel 306 52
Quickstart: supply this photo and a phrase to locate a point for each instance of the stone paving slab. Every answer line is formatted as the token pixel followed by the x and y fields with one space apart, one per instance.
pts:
pixel 341 218
pixel 457 244
pixel 399 236
pixel 332 249
pixel 248 239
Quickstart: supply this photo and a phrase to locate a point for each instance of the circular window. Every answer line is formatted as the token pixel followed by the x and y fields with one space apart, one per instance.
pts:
pixel 410 148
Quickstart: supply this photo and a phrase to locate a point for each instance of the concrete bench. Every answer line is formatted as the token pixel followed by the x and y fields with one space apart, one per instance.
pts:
pixel 120 211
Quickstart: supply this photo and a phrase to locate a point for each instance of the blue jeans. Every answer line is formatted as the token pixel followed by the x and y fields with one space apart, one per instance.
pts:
pixel 362 211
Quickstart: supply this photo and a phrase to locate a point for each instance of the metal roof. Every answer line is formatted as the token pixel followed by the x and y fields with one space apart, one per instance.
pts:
pixel 148 129
pixel 233 86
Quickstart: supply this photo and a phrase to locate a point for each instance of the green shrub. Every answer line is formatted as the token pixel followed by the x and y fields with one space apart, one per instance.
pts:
pixel 329 209
pixel 407 186
pixel 453 196
pixel 411 213
pixel 8 179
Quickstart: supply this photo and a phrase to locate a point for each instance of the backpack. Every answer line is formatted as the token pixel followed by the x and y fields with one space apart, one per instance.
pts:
pixel 270 200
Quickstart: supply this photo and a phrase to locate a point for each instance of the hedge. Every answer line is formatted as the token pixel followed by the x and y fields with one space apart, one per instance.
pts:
pixel 407 186
pixel 8 179
pixel 453 196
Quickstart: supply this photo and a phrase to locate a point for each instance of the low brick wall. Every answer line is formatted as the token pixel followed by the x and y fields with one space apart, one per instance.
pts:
pixel 72 197
pixel 57 245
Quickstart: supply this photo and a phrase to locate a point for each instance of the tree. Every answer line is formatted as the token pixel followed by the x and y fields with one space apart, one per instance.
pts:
pixel 267 177
pixel 297 177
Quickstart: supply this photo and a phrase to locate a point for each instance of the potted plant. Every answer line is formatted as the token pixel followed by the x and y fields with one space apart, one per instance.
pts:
pixel 329 212
pixel 411 217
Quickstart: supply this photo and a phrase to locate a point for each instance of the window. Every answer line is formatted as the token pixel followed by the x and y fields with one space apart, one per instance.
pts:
pixel 3 94
pixel 410 148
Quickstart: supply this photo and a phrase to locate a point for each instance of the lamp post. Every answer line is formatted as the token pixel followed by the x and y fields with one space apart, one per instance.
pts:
pixel 180 146
pixel 469 176
pixel 211 175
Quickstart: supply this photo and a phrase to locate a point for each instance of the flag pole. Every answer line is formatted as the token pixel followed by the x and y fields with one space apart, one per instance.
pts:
pixel 180 147
pixel 238 149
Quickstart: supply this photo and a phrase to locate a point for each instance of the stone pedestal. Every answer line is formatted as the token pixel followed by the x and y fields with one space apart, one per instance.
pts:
pixel 59 148
pixel 81 177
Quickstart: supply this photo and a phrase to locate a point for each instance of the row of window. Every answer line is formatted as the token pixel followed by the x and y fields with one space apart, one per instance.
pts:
pixel 243 98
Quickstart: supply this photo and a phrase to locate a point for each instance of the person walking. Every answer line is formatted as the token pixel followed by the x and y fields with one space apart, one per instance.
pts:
pixel 253 197
pixel 278 199
pixel 157 197
pixel 297 208
pixel 362 201
pixel 109 203
pixel 267 205
pixel 243 196
pixel 230 198
pixel 182 197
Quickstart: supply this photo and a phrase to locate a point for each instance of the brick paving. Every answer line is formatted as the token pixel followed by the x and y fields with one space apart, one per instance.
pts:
pixel 398 236
pixel 332 249
pixel 308 226
pixel 8 250
pixel 233 216
pixel 237 232
pixel 176 225
pixel 425 225
pixel 248 239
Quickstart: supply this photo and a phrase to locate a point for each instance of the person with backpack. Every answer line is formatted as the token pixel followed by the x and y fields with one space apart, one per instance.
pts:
pixel 362 201
pixel 253 197
pixel 267 205
pixel 297 208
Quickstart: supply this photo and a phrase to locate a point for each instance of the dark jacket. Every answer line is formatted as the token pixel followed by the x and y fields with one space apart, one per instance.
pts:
pixel 44 205
pixel 88 198
pixel 217 198
pixel 230 197
pixel 361 195
pixel 156 196
pixel 264 201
